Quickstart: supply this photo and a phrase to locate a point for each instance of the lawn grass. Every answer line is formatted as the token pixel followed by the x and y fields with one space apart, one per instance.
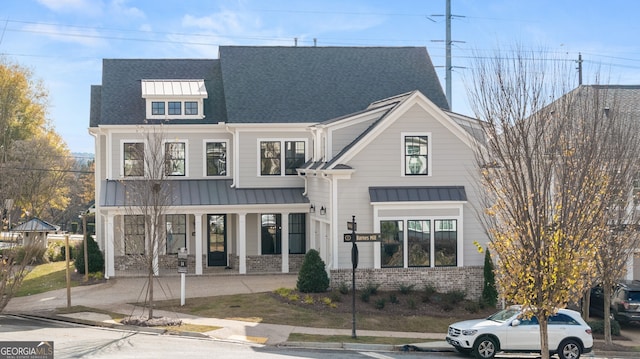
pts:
pixel 265 308
pixel 45 277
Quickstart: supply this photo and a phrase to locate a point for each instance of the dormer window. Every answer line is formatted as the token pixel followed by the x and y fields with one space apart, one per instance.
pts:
pixel 174 99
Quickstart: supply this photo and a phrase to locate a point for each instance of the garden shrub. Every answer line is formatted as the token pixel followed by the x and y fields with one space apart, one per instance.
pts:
pixel 380 303
pixel 597 326
pixel 489 291
pixel 343 288
pixel 406 289
pixel 454 296
pixel 313 277
pixel 94 254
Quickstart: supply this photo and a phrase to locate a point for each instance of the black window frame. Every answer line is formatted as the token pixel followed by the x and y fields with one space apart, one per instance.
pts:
pixel 293 159
pixel 134 233
pixel 270 158
pixel 297 233
pixel 133 159
pixel 271 233
pixel 172 110
pixel 172 161
pixel 189 107
pixel 175 232
pixel 215 158
pixel 158 108
pixel 411 142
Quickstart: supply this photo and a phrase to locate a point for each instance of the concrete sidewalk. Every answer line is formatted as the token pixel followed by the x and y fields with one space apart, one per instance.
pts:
pixel 117 294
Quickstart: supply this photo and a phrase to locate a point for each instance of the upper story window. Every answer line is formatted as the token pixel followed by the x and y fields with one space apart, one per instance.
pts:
pixel 272 157
pixel 174 99
pixel 175 108
pixel 175 158
pixel 216 158
pixel 133 154
pixel 157 108
pixel 416 154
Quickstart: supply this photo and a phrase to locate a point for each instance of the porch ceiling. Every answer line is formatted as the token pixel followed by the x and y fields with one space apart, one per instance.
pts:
pixel 211 192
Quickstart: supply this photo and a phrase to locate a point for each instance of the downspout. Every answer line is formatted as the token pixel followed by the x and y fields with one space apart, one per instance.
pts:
pixel 236 146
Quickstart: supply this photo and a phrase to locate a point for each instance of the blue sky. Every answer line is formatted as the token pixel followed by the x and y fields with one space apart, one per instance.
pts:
pixel 64 41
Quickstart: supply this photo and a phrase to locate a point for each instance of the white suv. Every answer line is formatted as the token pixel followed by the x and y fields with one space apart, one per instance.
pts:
pixel 509 331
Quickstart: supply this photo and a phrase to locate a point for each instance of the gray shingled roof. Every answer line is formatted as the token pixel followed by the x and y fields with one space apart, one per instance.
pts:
pixel 313 84
pixel 417 194
pixel 212 192
pixel 272 84
pixel 121 99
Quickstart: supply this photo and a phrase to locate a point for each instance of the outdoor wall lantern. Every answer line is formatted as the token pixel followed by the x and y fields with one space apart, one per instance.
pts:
pixel 323 210
pixel 312 209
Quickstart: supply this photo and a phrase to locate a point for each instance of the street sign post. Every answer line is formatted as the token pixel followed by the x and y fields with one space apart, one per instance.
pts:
pixel 362 237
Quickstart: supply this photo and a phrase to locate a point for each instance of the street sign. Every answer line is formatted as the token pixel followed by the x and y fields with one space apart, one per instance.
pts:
pixel 362 237
pixel 352 226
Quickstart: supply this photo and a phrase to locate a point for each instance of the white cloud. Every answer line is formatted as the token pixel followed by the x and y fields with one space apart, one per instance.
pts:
pixel 120 8
pixel 83 36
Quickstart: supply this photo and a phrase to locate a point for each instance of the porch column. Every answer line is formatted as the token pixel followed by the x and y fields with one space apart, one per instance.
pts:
pixel 199 243
pixel 284 239
pixel 242 243
pixel 110 255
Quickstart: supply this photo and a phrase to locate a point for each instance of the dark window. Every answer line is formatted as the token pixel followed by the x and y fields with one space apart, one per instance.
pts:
pixel 446 242
pixel 392 239
pixel 297 233
pixel 190 108
pixel 157 108
pixel 216 159
pixel 270 158
pixel 271 234
pixel 415 155
pixel 133 159
pixel 176 232
pixel 175 160
pixel 562 319
pixel 175 108
pixel 293 156
pixel 419 237
pixel 134 234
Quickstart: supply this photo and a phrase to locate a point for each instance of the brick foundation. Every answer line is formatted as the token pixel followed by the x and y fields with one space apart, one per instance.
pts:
pixel 444 279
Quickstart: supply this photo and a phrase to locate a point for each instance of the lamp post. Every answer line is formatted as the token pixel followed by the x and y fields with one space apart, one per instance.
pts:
pixel 83 215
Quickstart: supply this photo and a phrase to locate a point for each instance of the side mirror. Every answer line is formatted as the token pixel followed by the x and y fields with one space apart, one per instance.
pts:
pixel 515 322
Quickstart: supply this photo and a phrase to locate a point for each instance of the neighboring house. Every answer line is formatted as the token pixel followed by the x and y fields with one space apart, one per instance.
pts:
pixel 35 231
pixel 272 150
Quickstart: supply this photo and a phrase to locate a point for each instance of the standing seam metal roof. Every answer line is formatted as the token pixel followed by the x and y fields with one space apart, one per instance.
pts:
pixel 209 192
pixel 417 194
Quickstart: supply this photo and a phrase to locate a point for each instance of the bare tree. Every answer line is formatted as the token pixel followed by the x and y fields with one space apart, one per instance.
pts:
pixel 149 197
pixel 551 169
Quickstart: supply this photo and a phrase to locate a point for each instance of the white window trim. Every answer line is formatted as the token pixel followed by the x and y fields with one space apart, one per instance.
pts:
pixel 403 149
pixel 121 150
pixel 282 154
pixel 204 157
pixel 186 155
pixel 182 115
pixel 432 206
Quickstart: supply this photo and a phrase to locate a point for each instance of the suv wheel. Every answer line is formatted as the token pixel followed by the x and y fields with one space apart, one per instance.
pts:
pixel 485 348
pixel 569 349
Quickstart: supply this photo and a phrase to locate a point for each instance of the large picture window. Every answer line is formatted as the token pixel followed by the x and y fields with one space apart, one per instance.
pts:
pixel 392 239
pixel 419 239
pixel 297 233
pixel 270 158
pixel 133 159
pixel 446 242
pixel 416 155
pixel 216 158
pixel 176 232
pixel 175 158
pixel 271 234
pixel 134 234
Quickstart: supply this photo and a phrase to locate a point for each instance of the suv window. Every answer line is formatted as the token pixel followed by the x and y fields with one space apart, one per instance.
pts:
pixel 562 319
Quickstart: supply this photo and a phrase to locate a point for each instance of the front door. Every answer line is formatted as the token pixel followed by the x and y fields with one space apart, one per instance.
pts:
pixel 217 248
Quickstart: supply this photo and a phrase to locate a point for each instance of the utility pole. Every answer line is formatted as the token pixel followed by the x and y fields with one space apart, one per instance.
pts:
pixel 579 68
pixel 448 42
